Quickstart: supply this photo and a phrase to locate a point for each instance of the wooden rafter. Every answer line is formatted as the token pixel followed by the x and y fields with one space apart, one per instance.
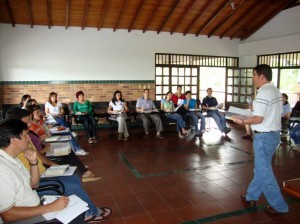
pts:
pixel 49 13
pixel 182 16
pixel 227 18
pixel 174 5
pixel 120 15
pixel 85 14
pixel 214 15
pixel 197 17
pixel 240 18
pixel 151 17
pixel 28 4
pixel 136 15
pixel 11 15
pixel 101 16
pixel 269 16
pixel 67 13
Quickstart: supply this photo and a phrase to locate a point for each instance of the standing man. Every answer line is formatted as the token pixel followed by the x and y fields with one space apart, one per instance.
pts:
pixel 143 105
pixel 210 104
pixel 266 125
pixel 178 97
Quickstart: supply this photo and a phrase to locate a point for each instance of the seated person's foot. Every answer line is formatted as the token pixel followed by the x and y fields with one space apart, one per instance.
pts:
pixel 120 136
pixel 181 136
pixel 159 137
pixel 226 130
pixel 147 136
pixel 247 136
pixel 251 203
pixel 94 219
pixel 270 210
pixel 105 211
pixel 91 141
pixel 95 140
pixel 186 132
pixel 81 152
pixel 126 138
pixel 88 176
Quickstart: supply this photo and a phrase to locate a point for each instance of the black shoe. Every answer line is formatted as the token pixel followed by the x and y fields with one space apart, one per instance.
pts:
pixel 227 130
pixel 270 210
pixel 251 203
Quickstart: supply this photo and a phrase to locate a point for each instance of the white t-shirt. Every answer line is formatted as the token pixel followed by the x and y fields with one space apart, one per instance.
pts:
pixel 119 105
pixel 268 104
pixel 15 189
pixel 53 110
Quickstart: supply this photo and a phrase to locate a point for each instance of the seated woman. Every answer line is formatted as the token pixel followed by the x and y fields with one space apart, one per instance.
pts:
pixel 54 108
pixel 24 100
pixel 286 113
pixel 83 108
pixel 167 105
pixel 117 105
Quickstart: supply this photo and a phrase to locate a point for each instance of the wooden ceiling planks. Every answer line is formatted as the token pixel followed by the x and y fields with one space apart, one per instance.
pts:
pixel 222 18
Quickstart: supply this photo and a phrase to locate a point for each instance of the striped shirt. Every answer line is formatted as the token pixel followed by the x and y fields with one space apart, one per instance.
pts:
pixel 268 104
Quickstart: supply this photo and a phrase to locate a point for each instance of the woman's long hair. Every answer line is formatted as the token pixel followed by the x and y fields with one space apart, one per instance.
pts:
pixel 50 95
pixel 114 99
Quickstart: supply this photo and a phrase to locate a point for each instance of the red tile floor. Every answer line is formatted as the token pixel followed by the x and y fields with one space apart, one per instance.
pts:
pixel 196 180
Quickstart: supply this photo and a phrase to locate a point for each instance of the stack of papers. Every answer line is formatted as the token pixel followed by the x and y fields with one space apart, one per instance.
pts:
pixel 235 112
pixel 62 170
pixel 58 138
pixel 59 149
pixel 75 207
pixel 50 120
pixel 59 129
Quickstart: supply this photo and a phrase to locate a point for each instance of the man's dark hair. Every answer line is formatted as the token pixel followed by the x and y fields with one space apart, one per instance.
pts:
pixel 33 108
pixel 188 92
pixel 146 90
pixel 179 86
pixel 16 113
pixel 264 70
pixel 11 129
pixel 208 89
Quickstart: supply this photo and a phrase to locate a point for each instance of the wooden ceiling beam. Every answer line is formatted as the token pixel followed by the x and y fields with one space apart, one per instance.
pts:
pixel 11 15
pixel 213 15
pixel 101 16
pixel 136 15
pixel 120 15
pixel 227 18
pixel 151 17
pixel 207 3
pixel 267 18
pixel 240 18
pixel 67 13
pixel 85 14
pixel 49 13
pixel 182 16
pixel 174 5
pixel 28 4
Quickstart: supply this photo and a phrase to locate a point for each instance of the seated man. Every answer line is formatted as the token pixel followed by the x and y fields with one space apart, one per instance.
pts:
pixel 18 200
pixel 209 103
pixel 190 103
pixel 145 104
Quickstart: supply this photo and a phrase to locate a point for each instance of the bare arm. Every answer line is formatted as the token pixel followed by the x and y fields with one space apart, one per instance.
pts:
pixel 19 213
pixel 31 156
pixel 45 160
pixel 110 109
pixel 251 120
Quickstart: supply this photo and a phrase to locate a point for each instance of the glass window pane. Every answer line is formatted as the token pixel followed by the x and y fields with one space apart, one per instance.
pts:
pixel 229 81
pixel 174 71
pixel 174 89
pixel 187 71
pixel 194 80
pixel 236 90
pixel 166 71
pixel 174 80
pixel 158 70
pixel 158 80
pixel 242 99
pixel 243 81
pixel 187 80
pixel 194 72
pixel 194 89
pixel 236 81
pixel 158 90
pixel 158 97
pixel 166 80
pixel 181 80
pixel 235 99
pixel 229 89
pixel 181 71
pixel 249 81
pixel 249 90
pixel 229 98
pixel 165 89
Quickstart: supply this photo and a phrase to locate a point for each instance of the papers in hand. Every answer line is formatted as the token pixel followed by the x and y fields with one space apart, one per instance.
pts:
pixel 62 170
pixel 177 108
pixel 59 129
pixel 58 138
pixel 75 207
pixel 220 106
pixel 193 109
pixel 235 112
pixel 50 120
pixel 149 111
pixel 180 101
pixel 59 149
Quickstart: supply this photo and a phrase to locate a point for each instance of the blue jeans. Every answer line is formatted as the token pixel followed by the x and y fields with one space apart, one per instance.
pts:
pixel 295 134
pixel 61 121
pixel 219 119
pixel 264 181
pixel 194 117
pixel 89 124
pixel 179 121
pixel 73 186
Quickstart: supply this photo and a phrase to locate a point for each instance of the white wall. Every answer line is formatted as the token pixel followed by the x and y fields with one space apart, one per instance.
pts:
pixel 58 54
pixel 281 34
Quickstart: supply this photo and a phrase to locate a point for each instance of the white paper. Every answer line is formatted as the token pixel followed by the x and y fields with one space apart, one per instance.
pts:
pixel 235 112
pixel 75 207
pixel 59 149
pixel 50 120
pixel 58 138
pixel 69 172
pixel 180 101
pixel 55 131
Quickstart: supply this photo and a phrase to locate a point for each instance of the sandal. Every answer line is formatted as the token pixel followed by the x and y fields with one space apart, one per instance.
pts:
pixel 95 219
pixel 91 141
pixel 106 211
pixel 90 179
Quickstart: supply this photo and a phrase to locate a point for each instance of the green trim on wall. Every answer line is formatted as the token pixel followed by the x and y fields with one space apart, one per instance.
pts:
pixel 4 83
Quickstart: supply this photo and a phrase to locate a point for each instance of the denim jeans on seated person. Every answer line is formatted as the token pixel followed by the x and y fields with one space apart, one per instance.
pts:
pixel 295 134
pixel 219 119
pixel 264 181
pixel 73 186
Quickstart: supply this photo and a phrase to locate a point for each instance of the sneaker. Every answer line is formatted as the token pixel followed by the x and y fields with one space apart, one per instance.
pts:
pixel 74 134
pixel 81 152
pixel 187 132
pixel 227 130
pixel 159 137
pixel 181 136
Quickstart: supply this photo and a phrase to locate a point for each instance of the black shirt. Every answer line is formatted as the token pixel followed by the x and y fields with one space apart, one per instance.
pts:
pixel 209 101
